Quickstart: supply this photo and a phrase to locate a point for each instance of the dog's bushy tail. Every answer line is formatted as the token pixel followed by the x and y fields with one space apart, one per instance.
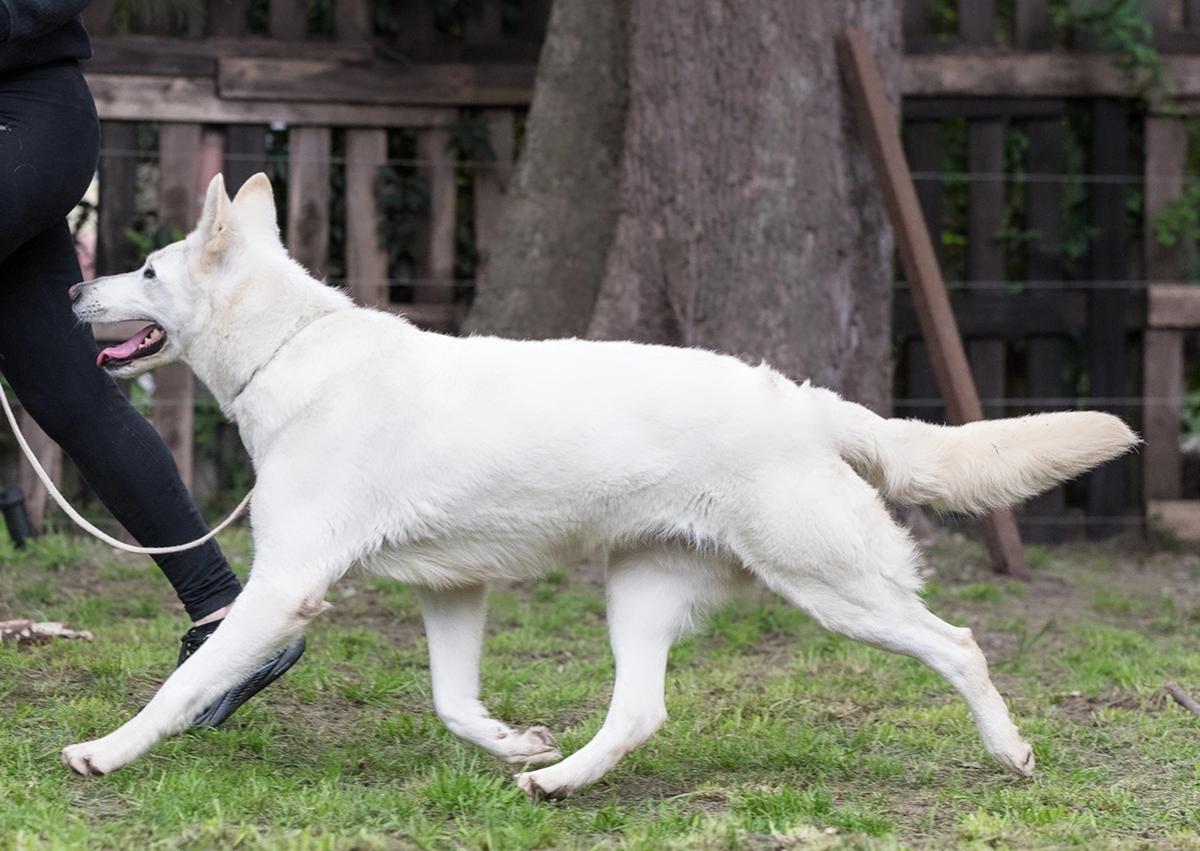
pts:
pixel 975 467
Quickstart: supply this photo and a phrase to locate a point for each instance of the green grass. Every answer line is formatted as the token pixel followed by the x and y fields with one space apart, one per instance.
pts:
pixel 780 736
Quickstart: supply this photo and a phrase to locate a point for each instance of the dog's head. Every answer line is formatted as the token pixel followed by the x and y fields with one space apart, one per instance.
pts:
pixel 179 287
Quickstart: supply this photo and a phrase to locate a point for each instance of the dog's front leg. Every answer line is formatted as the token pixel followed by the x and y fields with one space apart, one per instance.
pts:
pixel 266 615
pixel 454 621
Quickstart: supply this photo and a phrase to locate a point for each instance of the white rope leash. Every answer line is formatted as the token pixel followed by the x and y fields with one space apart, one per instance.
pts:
pixel 88 527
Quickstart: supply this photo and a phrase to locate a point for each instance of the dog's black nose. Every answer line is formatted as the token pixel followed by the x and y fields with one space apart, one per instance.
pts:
pixel 76 291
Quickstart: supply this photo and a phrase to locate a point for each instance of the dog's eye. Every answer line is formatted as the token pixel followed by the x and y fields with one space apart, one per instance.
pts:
pixel 149 273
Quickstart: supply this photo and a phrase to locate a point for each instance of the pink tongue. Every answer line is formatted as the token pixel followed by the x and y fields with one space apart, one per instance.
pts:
pixel 124 350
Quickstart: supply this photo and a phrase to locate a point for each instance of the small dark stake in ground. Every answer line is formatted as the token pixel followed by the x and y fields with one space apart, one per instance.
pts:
pixel 781 736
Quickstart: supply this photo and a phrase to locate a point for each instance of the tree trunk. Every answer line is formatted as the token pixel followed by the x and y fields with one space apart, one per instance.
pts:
pixel 692 175
pixel 750 222
pixel 547 260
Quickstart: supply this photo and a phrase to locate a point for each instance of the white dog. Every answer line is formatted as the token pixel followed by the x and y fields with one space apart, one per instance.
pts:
pixel 448 463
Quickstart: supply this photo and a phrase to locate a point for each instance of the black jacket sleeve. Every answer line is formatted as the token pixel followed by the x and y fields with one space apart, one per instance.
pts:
pixel 20 19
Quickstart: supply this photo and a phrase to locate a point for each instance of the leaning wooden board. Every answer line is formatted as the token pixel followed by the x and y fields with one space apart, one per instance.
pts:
pixel 878 124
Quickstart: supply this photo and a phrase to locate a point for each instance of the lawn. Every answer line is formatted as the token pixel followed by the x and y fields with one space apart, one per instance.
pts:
pixel 780 735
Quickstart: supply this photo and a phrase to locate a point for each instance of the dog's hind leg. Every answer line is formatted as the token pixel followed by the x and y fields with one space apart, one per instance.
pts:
pixel 653 596
pixel 842 559
pixel 899 622
pixel 454 622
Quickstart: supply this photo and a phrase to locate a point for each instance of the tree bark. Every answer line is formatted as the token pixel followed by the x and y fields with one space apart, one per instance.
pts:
pixel 547 260
pixel 692 175
pixel 749 218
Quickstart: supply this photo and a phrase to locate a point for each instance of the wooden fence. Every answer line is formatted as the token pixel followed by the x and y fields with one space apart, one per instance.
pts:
pixel 1045 329
pixel 210 92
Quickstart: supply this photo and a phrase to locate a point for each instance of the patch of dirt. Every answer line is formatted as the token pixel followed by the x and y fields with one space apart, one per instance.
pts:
pixel 1081 708
pixel 1123 571
pixel 355 605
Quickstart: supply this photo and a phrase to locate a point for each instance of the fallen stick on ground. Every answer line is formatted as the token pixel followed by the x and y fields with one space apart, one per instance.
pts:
pixel 1182 697
pixel 31 632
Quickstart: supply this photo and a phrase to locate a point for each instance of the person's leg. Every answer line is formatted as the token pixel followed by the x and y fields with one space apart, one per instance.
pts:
pixel 49 141
pixel 48 150
pixel 49 360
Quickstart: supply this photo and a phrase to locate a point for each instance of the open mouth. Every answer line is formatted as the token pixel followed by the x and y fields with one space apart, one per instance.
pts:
pixel 144 343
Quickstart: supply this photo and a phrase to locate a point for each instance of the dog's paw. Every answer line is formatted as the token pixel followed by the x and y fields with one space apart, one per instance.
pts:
pixel 93 757
pixel 540 788
pixel 1018 759
pixel 535 746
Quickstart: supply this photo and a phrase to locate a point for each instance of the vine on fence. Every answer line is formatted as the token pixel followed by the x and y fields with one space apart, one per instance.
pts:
pixel 1119 28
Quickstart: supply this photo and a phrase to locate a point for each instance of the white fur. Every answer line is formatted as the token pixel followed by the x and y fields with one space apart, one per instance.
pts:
pixel 448 463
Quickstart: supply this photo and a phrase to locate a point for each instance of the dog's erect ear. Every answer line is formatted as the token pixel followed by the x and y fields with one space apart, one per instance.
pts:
pixel 215 220
pixel 255 205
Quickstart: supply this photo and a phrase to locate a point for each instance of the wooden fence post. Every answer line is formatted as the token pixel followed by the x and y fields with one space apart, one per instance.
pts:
pixel 366 259
pixel 977 21
pixel 877 124
pixel 1031 25
pixel 353 21
pixel 985 253
pixel 1046 356
pixel 245 153
pixel 288 19
pixel 180 148
pixel 1106 360
pixel 925 148
pixel 1162 359
pixel 37 500
pixel 309 152
pixel 491 179
pixel 438 163
pixel 227 17
pixel 115 251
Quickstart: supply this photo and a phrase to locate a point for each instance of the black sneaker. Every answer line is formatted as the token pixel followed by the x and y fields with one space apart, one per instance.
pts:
pixel 272 669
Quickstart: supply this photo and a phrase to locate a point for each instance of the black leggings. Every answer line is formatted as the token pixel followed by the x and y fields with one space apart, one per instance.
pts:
pixel 49 141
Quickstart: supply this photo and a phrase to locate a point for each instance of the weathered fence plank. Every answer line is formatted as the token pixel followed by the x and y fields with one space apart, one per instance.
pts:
pixel 353 21
pixel 167 56
pixel 1162 358
pixel 1164 387
pixel 366 259
pixel 288 19
pixel 98 16
pixel 115 251
pixel 474 84
pixel 180 148
pixel 227 17
pixel 923 108
pixel 1106 360
pixel 1178 517
pixel 37 499
pixel 1024 314
pixel 1031 25
pixel 245 153
pixel 133 97
pixel 977 22
pixel 1042 74
pixel 309 152
pixel 985 253
pixel 924 145
pixel 1174 306
pixel 483 26
pixel 1046 356
pixel 437 162
pixel 1157 13
pixel 491 179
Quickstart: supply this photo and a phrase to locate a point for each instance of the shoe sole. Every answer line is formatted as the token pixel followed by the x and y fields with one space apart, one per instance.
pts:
pixel 219 712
